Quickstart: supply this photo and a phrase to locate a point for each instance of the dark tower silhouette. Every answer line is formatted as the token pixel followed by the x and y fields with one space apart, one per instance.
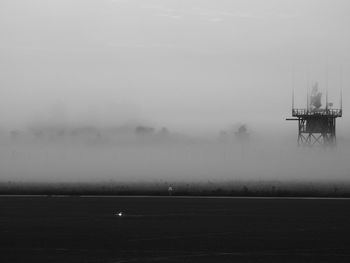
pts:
pixel 316 125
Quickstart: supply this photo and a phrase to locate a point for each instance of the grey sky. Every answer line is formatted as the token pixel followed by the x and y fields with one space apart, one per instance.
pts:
pixel 184 64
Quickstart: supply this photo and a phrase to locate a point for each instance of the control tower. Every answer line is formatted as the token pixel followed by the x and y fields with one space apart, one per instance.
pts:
pixel 316 124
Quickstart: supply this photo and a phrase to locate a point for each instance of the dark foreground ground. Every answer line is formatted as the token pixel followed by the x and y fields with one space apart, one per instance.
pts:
pixel 173 229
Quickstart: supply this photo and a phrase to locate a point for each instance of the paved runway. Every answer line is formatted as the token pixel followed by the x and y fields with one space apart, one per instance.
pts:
pixel 174 229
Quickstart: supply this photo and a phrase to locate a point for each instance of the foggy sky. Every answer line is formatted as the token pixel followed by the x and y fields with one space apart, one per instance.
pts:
pixel 187 64
pixel 194 66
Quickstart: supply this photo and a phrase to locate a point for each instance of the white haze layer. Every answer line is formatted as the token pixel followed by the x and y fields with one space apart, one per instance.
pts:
pixel 157 159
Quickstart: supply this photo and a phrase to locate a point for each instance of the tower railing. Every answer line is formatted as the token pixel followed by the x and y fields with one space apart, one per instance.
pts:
pixel 320 112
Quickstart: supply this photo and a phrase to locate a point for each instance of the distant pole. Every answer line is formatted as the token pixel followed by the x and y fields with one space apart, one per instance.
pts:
pixel 307 99
pixel 293 85
pixel 341 100
pixel 341 88
pixel 327 85
pixel 307 90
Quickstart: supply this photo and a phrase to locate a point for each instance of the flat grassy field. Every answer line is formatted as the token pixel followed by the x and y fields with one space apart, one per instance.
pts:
pixel 173 229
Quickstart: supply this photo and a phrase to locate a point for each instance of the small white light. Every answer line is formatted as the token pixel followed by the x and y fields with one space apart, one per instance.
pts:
pixel 119 214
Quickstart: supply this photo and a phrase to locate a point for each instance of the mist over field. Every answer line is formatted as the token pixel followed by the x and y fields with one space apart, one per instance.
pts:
pixel 135 154
pixel 156 90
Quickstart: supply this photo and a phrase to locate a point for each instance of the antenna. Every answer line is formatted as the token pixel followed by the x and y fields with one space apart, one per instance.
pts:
pixel 327 79
pixel 341 100
pixel 293 80
pixel 307 99
pixel 341 88
pixel 293 86
pixel 307 89
pixel 327 84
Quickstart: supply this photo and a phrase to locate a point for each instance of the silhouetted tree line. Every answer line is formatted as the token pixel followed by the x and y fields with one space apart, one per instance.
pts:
pixel 230 188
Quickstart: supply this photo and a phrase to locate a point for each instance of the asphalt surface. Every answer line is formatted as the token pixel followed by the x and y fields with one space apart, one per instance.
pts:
pixel 173 229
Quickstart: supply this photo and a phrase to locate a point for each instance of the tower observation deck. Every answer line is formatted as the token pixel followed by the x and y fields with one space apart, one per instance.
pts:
pixel 316 125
